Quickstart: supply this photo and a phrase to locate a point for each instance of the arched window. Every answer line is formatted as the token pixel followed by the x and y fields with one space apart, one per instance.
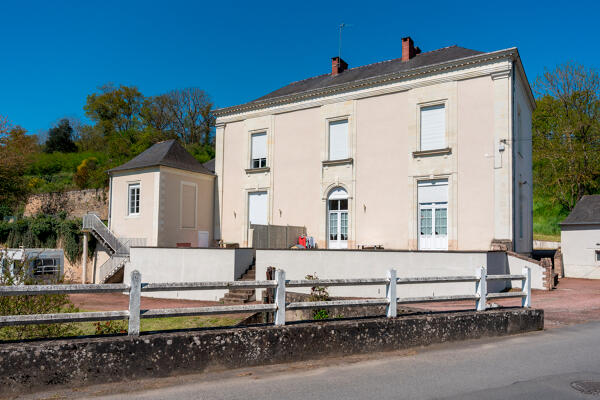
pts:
pixel 337 219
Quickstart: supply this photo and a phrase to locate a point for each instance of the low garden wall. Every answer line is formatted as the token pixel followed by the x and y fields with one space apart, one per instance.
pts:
pixel 165 265
pixel 348 264
pixel 39 365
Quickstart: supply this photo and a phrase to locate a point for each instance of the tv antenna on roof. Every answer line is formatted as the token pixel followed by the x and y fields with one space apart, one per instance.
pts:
pixel 342 26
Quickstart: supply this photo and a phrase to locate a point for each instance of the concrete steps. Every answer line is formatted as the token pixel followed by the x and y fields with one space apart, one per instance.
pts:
pixel 241 296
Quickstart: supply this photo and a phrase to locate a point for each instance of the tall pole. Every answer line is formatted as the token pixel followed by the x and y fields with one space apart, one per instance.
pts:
pixel 84 257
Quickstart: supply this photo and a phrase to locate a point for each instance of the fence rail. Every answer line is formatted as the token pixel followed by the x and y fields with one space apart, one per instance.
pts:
pixel 279 284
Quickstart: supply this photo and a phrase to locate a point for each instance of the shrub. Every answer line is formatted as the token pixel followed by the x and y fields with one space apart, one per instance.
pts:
pixel 318 293
pixel 18 272
pixel 46 231
pixel 110 327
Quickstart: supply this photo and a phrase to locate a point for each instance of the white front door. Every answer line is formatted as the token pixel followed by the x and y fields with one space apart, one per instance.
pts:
pixel 433 226
pixel 337 219
pixel 433 215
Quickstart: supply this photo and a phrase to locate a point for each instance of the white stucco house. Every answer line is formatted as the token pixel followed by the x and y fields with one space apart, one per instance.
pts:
pixel 580 239
pixel 429 151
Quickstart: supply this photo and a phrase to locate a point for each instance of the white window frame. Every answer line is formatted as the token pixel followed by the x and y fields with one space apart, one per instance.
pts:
pixel 262 161
pixel 182 184
pixel 433 206
pixel 420 107
pixel 335 120
pixel 130 186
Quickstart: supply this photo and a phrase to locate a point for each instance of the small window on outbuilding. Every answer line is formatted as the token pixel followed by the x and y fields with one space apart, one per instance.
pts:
pixel 134 199
pixel 598 256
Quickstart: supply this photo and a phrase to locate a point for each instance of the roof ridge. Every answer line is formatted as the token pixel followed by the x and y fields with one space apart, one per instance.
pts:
pixel 367 65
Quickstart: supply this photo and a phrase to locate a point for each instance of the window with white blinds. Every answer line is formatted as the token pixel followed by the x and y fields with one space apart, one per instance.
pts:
pixel 257 208
pixel 433 127
pixel 259 150
pixel 338 140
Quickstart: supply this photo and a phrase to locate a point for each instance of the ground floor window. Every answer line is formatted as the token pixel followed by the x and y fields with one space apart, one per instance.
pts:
pixel 337 219
pixel 433 214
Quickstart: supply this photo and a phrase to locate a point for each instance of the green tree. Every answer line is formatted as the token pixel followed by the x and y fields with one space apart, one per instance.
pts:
pixel 60 138
pixel 566 134
pixel 115 109
pixel 16 150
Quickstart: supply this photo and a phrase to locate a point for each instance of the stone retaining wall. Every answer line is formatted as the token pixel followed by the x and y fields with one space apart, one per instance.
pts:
pixel 76 203
pixel 38 365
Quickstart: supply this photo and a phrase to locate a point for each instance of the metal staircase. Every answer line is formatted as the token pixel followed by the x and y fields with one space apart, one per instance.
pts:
pixel 117 248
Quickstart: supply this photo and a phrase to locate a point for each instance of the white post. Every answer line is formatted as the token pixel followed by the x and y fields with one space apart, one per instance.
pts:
pixel 481 288
pixel 280 297
pixel 135 288
pixel 84 257
pixel 526 288
pixel 390 293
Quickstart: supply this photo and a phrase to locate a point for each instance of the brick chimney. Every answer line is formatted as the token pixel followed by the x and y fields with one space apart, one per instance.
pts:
pixel 338 66
pixel 408 49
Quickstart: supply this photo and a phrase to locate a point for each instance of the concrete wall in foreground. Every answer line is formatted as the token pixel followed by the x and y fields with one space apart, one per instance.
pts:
pixel 32 366
pixel 349 264
pixel 579 246
pixel 165 265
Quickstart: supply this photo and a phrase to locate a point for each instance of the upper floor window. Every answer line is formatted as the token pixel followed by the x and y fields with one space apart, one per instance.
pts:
pixel 433 127
pixel 134 199
pixel 338 140
pixel 259 150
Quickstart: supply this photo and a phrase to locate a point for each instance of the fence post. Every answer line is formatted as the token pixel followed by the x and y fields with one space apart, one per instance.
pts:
pixel 481 288
pixel 526 288
pixel 280 297
pixel 135 288
pixel 390 293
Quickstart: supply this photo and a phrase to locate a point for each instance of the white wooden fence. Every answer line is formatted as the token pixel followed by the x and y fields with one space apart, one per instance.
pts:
pixel 280 284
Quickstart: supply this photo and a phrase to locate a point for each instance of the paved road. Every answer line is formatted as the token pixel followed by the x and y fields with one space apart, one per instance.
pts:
pixel 539 365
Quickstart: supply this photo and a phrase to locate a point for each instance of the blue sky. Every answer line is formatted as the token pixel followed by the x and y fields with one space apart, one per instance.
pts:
pixel 55 53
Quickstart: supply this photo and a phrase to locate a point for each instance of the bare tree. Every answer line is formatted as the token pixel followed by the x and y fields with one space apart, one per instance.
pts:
pixel 191 112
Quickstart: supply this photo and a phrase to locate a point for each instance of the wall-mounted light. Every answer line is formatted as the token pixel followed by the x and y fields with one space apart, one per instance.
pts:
pixel 502 145
pixel 364 207
pixel 234 214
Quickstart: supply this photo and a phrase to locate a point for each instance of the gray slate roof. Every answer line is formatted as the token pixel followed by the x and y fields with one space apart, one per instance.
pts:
pixel 210 165
pixel 169 154
pixel 372 70
pixel 586 211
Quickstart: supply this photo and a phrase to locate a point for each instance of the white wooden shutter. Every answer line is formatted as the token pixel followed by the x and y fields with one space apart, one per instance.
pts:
pixel 259 145
pixel 338 140
pixel 257 208
pixel 433 128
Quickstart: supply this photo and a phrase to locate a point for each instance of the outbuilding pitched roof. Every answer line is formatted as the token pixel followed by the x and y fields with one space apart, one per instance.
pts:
pixel 210 165
pixel 169 154
pixel 586 211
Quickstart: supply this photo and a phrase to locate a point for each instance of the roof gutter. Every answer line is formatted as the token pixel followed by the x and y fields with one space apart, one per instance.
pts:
pixel 511 53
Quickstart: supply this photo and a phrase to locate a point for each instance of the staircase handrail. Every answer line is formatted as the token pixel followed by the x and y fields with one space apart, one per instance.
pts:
pixel 93 222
